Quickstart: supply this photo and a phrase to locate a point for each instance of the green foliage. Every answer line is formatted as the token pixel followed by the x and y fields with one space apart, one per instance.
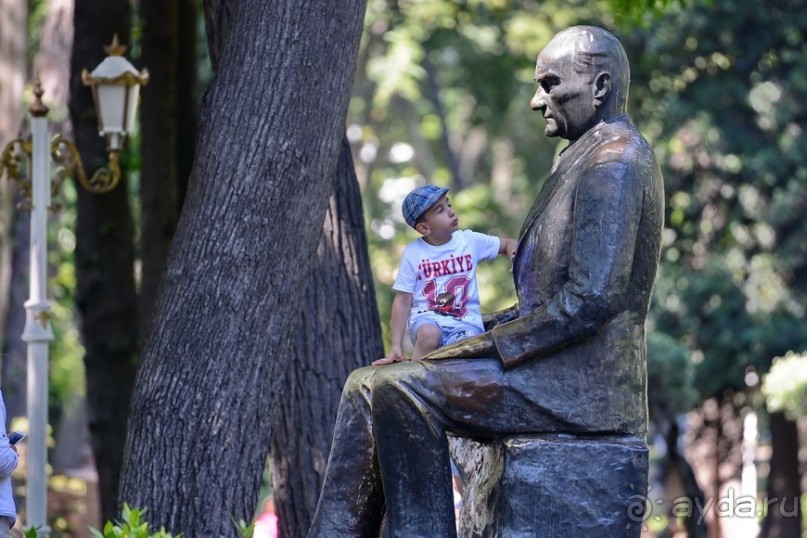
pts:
pixel 670 374
pixel 132 525
pixel 716 88
pixel 642 12
pixel 67 353
pixel 785 386
pixel 245 529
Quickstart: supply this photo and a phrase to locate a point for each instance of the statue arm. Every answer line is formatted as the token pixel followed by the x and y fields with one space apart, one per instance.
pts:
pixel 492 319
pixel 607 211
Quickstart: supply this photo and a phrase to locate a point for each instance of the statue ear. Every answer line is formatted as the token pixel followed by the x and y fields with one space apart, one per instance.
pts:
pixel 602 85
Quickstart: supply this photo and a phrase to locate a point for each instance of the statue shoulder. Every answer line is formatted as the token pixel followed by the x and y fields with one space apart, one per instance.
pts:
pixel 623 144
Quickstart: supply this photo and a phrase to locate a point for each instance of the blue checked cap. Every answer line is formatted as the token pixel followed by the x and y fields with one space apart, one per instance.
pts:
pixel 419 201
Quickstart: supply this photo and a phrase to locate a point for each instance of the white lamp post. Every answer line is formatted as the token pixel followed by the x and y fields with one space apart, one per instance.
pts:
pixel 115 85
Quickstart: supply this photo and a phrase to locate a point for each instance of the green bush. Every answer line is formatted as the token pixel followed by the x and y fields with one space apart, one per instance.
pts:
pixel 785 386
pixel 132 526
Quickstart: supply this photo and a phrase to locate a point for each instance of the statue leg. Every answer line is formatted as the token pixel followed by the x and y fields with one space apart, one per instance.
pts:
pixel 413 454
pixel 351 504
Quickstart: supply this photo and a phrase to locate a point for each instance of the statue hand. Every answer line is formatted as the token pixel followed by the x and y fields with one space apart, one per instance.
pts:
pixel 470 348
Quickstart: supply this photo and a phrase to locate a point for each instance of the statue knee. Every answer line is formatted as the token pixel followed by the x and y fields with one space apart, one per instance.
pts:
pixel 390 384
pixel 359 381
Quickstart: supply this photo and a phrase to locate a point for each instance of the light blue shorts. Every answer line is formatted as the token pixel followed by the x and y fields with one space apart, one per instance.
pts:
pixel 451 329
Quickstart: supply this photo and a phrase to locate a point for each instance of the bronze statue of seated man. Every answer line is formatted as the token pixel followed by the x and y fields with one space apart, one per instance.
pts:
pixel 572 359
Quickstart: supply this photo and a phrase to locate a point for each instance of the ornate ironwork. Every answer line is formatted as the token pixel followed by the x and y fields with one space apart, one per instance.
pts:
pixel 68 162
pixel 13 160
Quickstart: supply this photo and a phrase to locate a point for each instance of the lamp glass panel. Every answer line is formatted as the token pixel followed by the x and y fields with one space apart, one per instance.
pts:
pixel 131 104
pixel 111 105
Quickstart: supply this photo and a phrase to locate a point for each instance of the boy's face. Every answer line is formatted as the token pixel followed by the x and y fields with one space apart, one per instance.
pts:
pixel 439 222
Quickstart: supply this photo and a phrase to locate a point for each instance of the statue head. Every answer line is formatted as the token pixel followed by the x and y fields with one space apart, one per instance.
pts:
pixel 583 78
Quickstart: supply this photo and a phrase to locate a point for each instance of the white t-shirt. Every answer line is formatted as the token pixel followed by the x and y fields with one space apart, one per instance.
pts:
pixel 443 278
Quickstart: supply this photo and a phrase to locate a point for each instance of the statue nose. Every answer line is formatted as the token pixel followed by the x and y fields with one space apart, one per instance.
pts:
pixel 537 102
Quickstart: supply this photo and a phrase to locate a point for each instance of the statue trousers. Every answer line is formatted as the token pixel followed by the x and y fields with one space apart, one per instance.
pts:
pixel 390 450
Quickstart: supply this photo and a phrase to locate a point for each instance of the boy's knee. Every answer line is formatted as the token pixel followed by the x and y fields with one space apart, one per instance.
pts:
pixel 429 336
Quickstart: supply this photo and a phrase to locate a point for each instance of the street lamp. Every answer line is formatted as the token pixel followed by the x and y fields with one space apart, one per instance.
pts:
pixel 115 84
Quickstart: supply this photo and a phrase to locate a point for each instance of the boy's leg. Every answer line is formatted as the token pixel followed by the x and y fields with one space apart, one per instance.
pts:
pixel 460 331
pixel 428 337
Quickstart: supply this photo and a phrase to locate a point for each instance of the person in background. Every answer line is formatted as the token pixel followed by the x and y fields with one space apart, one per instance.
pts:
pixel 266 523
pixel 8 462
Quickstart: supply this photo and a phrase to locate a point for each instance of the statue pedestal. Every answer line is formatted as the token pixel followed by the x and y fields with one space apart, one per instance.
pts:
pixel 558 486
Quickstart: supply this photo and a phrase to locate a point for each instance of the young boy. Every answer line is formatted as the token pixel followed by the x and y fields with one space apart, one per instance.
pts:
pixel 436 283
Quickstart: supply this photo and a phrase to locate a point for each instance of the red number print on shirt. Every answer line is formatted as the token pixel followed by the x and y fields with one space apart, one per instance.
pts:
pixel 456 288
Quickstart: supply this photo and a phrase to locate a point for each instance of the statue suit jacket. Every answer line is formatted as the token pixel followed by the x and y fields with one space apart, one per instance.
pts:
pixel 584 271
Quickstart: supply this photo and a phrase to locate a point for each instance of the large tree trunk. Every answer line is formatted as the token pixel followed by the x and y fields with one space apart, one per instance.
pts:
pixel 167 133
pixel 339 331
pixel 105 293
pixel 13 225
pixel 202 415
pixel 784 482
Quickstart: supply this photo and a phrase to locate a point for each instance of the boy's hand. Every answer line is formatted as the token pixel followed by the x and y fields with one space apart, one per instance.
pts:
pixel 395 355
pixel 508 247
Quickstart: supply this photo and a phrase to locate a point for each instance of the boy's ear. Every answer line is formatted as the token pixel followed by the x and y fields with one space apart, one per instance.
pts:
pixel 422 228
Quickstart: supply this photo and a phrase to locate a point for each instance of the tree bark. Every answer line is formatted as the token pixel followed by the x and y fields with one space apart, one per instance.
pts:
pixel 217 24
pixel 696 526
pixel 168 126
pixel 13 225
pixel 105 293
pixel 187 97
pixel 14 350
pixel 339 330
pixel 270 128
pixel 784 482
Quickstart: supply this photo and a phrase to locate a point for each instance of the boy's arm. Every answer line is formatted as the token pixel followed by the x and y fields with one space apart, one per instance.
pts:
pixel 508 246
pixel 401 305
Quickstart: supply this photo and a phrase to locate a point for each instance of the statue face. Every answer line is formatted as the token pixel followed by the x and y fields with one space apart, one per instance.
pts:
pixel 565 94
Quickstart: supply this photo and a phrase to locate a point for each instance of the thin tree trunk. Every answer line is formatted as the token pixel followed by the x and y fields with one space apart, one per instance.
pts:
pixel 696 526
pixel 433 93
pixel 159 167
pixel 784 486
pixel 13 226
pixel 105 293
pixel 202 415
pixel 15 351
pixel 339 331
pixel 187 96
